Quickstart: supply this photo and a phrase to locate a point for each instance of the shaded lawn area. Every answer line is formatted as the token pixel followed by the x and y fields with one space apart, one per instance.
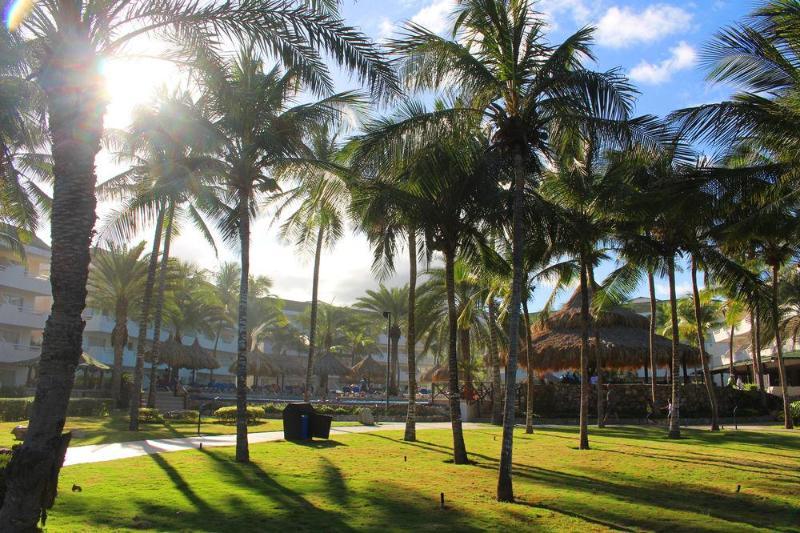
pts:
pixel 114 428
pixel 632 479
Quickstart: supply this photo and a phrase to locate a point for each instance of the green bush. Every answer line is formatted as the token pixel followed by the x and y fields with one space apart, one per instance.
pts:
pixel 148 415
pixel 89 407
pixel 4 459
pixel 794 410
pixel 751 386
pixel 13 392
pixel 274 408
pixel 228 414
pixel 189 415
pixel 14 409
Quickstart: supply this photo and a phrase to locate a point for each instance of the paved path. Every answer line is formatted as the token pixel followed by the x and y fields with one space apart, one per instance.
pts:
pixel 96 453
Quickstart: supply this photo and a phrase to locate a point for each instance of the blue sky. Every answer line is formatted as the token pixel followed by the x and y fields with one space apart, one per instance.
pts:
pixel 658 44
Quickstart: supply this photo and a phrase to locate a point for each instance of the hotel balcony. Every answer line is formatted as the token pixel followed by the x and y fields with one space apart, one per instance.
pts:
pixel 12 353
pixel 18 277
pixel 14 315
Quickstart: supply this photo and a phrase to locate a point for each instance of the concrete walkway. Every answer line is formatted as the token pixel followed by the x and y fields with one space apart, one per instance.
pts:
pixel 97 453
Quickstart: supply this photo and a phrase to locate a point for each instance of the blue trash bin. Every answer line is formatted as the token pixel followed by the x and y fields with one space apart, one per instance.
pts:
pixel 305 427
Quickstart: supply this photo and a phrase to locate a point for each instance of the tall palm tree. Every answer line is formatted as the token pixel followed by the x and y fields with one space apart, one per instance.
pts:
pixel 318 199
pixel 70 42
pixel 498 58
pixel 171 145
pixel 116 284
pixel 393 300
pixel 262 134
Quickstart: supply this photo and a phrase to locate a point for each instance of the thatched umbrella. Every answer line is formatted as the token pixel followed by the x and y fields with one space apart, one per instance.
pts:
pixel 198 357
pixel 88 364
pixel 287 366
pixel 170 352
pixel 328 365
pixel 369 369
pixel 623 334
pixel 436 374
pixel 258 365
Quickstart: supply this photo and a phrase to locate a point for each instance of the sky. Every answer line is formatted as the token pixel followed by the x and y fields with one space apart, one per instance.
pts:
pixel 657 44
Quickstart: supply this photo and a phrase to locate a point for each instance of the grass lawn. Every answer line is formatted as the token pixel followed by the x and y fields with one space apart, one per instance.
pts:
pixel 632 479
pixel 115 429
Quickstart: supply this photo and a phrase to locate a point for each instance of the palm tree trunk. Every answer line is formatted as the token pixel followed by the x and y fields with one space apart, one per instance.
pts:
pixel 584 410
pixel 312 330
pixel 459 448
pixel 674 423
pixel 395 346
pixel 466 356
pixel 242 448
pixel 598 359
pixel 497 384
pixel 75 120
pixel 776 318
pixel 505 488
pixel 159 308
pixel 528 348
pixel 411 339
pixel 730 351
pixel 652 334
pixel 712 395
pixel 119 337
pixel 136 386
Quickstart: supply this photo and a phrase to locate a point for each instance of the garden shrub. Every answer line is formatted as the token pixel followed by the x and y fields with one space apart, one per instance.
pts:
pixel 187 415
pixel 148 415
pixel 89 407
pixel 14 409
pixel 274 408
pixel 794 410
pixel 4 459
pixel 228 414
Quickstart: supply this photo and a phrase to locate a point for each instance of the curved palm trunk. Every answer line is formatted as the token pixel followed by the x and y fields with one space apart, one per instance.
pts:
pixel 528 348
pixel 136 386
pixel 119 337
pixel 159 308
pixel 312 330
pixel 584 410
pixel 675 420
pixel 505 488
pixel 466 357
pixel 411 339
pixel 75 107
pixel 459 448
pixel 730 352
pixel 497 384
pixel 242 448
pixel 712 395
pixel 394 378
pixel 776 317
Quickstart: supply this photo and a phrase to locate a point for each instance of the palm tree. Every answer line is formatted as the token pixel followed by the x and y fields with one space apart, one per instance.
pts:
pixel 734 312
pixel 393 300
pixel 70 42
pixel 319 200
pixel 171 145
pixel 261 135
pixel 116 283
pixel 525 87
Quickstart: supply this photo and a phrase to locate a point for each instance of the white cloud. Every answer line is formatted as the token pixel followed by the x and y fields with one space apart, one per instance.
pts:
pixel 579 10
pixel 682 57
pixel 621 27
pixel 435 16
pixel 385 28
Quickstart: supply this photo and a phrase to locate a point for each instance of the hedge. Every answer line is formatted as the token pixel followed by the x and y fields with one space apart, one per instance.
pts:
pixel 794 410
pixel 228 414
pixel 16 409
pixel 148 415
pixel 4 459
pixel 187 415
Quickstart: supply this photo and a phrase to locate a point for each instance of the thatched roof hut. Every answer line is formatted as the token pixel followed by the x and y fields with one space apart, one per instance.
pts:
pixel 329 365
pixel 258 364
pixel 368 368
pixel 288 366
pixel 436 374
pixel 624 340
pixel 171 353
pixel 87 362
pixel 198 357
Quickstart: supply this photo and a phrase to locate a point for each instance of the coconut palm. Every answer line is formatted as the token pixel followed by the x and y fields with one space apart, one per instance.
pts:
pixel 116 284
pixel 262 134
pixel 318 200
pixel 393 300
pixel 171 145
pixel 70 43
pixel 498 57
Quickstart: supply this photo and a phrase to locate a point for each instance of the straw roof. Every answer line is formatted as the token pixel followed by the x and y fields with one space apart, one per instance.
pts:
pixel 199 357
pixel 171 353
pixel 87 361
pixel 329 365
pixel 288 366
pixel 258 364
pixel 368 368
pixel 436 374
pixel 624 340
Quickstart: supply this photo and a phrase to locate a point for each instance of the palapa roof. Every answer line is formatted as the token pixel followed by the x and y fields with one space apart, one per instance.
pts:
pixel 329 365
pixel 624 340
pixel 171 353
pixel 258 364
pixel 87 361
pixel 368 368
pixel 287 365
pixel 436 374
pixel 199 357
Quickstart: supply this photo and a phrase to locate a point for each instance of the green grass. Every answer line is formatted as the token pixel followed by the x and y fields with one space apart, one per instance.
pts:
pixel 631 479
pixel 115 429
